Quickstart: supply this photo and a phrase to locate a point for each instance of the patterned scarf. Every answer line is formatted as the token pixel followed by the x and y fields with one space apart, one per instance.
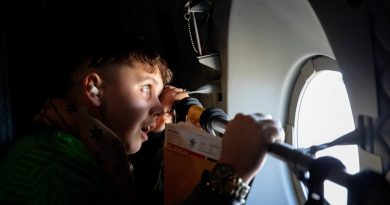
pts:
pixel 102 143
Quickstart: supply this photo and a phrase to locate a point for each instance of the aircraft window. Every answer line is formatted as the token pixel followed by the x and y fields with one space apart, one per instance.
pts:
pixel 322 114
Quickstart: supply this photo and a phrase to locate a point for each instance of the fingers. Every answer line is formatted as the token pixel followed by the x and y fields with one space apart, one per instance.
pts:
pixel 170 88
pixel 260 116
pixel 161 121
pixel 173 92
pixel 169 95
pixel 246 140
pixel 271 130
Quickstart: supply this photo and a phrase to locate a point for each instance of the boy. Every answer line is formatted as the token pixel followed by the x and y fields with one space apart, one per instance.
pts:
pixel 116 95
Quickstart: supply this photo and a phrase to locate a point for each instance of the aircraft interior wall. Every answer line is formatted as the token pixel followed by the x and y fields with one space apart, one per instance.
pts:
pixel 267 42
pixel 266 45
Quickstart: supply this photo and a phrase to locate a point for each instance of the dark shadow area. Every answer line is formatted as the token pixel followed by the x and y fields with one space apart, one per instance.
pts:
pixel 41 37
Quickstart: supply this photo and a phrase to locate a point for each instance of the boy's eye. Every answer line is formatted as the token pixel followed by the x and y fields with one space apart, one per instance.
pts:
pixel 146 89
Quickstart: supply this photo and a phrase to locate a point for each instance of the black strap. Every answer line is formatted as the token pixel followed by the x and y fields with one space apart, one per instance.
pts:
pixel 319 170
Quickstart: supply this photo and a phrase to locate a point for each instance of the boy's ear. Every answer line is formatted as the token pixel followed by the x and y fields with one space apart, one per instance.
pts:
pixel 92 88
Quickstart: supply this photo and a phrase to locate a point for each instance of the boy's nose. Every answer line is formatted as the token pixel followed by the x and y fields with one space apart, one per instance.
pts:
pixel 157 108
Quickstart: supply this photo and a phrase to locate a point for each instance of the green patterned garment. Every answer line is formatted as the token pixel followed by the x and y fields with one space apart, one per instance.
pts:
pixel 52 167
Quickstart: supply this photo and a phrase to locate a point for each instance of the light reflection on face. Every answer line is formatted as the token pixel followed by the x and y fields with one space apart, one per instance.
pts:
pixel 131 104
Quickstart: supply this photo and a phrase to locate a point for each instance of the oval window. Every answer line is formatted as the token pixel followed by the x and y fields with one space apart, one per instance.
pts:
pixel 322 114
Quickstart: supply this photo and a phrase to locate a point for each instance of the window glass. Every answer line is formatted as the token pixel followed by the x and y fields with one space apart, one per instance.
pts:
pixel 324 114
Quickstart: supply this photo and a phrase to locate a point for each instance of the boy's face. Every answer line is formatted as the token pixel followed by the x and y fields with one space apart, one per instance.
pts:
pixel 131 104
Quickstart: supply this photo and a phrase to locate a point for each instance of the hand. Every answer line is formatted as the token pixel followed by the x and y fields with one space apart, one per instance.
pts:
pixel 168 97
pixel 245 142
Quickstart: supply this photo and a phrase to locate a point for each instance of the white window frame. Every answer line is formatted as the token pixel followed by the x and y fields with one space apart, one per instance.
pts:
pixel 308 70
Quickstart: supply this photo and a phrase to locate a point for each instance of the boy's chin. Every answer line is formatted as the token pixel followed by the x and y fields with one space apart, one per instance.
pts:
pixel 133 149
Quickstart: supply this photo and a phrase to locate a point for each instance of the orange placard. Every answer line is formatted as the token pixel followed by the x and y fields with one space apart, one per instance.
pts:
pixel 188 151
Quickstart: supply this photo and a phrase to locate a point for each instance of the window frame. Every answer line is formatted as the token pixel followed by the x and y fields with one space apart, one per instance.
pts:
pixel 307 72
